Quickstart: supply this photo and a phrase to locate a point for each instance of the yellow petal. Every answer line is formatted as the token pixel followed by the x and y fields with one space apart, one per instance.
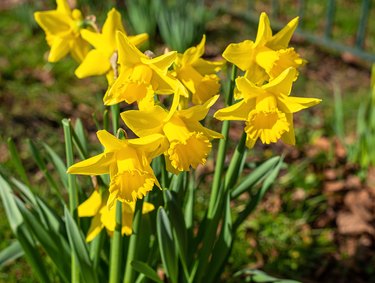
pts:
pixel 281 39
pixel 206 89
pixel 79 49
pixel 91 206
pixel 289 137
pixel 238 111
pixel 94 64
pixel 59 49
pixel 112 24
pixel 63 7
pixel 53 22
pixel 195 126
pixel 138 39
pixel 189 77
pixel 281 84
pixel 109 141
pixel 194 53
pixel 247 89
pixel 95 228
pixel 98 41
pixel 162 62
pixel 198 112
pixel 205 67
pixel 153 145
pixel 240 54
pixel 147 207
pixel 96 165
pixel 291 104
pixel 145 122
pixel 128 54
pixel 264 33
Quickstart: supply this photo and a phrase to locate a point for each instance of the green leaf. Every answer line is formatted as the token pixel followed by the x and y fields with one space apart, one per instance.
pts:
pixel 43 167
pixel 255 177
pixel 256 198
pixel 49 240
pixel 14 216
pixel 166 245
pixel 145 269
pixel 178 228
pixel 80 249
pixel 17 163
pixel 58 164
pixel 79 130
pixel 21 232
pixel 25 191
pixel 222 246
pixel 10 253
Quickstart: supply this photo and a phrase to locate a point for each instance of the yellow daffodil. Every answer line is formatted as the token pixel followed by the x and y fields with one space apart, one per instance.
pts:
pixel 198 75
pixel 268 56
pixel 127 162
pixel 103 217
pixel 140 76
pixel 98 60
pixel 189 143
pixel 267 110
pixel 62 27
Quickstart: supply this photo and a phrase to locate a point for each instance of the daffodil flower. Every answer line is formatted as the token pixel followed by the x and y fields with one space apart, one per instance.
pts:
pixel 103 217
pixel 198 75
pixel 268 56
pixel 267 110
pixel 189 143
pixel 62 27
pixel 128 164
pixel 98 60
pixel 140 76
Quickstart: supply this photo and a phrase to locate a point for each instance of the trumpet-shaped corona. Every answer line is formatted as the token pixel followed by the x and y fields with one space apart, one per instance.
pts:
pixel 188 142
pixel 198 75
pixel 267 110
pixel 128 164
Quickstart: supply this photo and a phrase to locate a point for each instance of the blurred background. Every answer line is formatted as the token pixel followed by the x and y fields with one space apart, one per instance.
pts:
pixel 317 223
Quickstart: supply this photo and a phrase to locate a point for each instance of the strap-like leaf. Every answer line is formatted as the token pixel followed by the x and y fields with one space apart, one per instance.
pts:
pixel 10 253
pixel 17 163
pixel 19 229
pixel 58 164
pixel 166 245
pixel 255 177
pixel 80 249
pixel 145 269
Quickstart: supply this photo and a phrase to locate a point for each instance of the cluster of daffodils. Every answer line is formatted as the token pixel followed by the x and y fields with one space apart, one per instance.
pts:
pixel 189 84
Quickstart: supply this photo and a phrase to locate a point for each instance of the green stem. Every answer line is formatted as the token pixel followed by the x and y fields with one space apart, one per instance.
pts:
pixel 129 272
pixel 234 166
pixel 116 247
pixel 73 192
pixel 95 249
pixel 115 109
pixel 219 168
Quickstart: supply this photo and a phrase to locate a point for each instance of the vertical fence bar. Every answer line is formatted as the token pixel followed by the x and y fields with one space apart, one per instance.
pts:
pixel 330 19
pixel 363 21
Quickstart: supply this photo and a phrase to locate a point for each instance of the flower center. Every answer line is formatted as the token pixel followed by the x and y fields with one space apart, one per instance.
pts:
pixel 268 126
pixel 190 152
pixel 130 185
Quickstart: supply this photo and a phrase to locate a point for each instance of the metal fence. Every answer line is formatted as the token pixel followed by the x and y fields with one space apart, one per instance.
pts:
pixel 325 38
